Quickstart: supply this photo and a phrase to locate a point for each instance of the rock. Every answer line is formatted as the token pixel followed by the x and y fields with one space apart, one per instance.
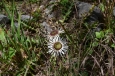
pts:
pixel 4 19
pixel 47 11
pixel 92 14
pixel 46 26
pixel 84 9
pixel 16 24
pixel 91 19
pixel 50 15
pixel 114 11
pixel 26 17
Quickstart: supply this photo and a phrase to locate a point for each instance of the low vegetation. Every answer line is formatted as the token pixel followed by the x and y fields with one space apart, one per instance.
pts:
pixel 23 49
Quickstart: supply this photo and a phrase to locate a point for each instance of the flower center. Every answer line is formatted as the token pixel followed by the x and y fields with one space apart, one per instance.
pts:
pixel 57 45
pixel 54 32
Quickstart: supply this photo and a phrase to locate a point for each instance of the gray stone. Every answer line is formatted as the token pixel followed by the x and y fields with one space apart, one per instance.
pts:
pixel 113 11
pixel 26 17
pixel 50 16
pixel 85 8
pixel 4 19
pixel 47 11
pixel 46 26
pixel 16 24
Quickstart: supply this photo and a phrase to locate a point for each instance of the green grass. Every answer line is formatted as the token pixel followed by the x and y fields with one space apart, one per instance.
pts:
pixel 23 54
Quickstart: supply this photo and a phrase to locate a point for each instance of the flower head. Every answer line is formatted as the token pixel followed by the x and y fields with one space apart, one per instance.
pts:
pixel 54 33
pixel 57 46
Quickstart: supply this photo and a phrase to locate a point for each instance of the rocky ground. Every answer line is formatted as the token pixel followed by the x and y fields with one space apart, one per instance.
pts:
pixel 50 15
pixel 81 19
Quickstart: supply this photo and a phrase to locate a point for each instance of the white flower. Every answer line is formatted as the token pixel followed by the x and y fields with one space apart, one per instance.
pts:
pixel 54 33
pixel 57 46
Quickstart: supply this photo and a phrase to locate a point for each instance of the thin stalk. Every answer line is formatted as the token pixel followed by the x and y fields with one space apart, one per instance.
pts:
pixel 68 36
pixel 7 9
pixel 12 18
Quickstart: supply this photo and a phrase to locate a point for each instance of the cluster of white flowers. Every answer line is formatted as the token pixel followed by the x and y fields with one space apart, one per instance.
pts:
pixel 56 45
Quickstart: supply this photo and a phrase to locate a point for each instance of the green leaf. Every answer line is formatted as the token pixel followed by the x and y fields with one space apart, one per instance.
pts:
pixel 90 52
pixel 2 35
pixel 99 34
pixel 11 52
pixel 113 45
pixel 94 44
pixel 102 7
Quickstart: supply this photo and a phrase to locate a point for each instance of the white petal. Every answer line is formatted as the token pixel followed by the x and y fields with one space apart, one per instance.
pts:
pixel 62 52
